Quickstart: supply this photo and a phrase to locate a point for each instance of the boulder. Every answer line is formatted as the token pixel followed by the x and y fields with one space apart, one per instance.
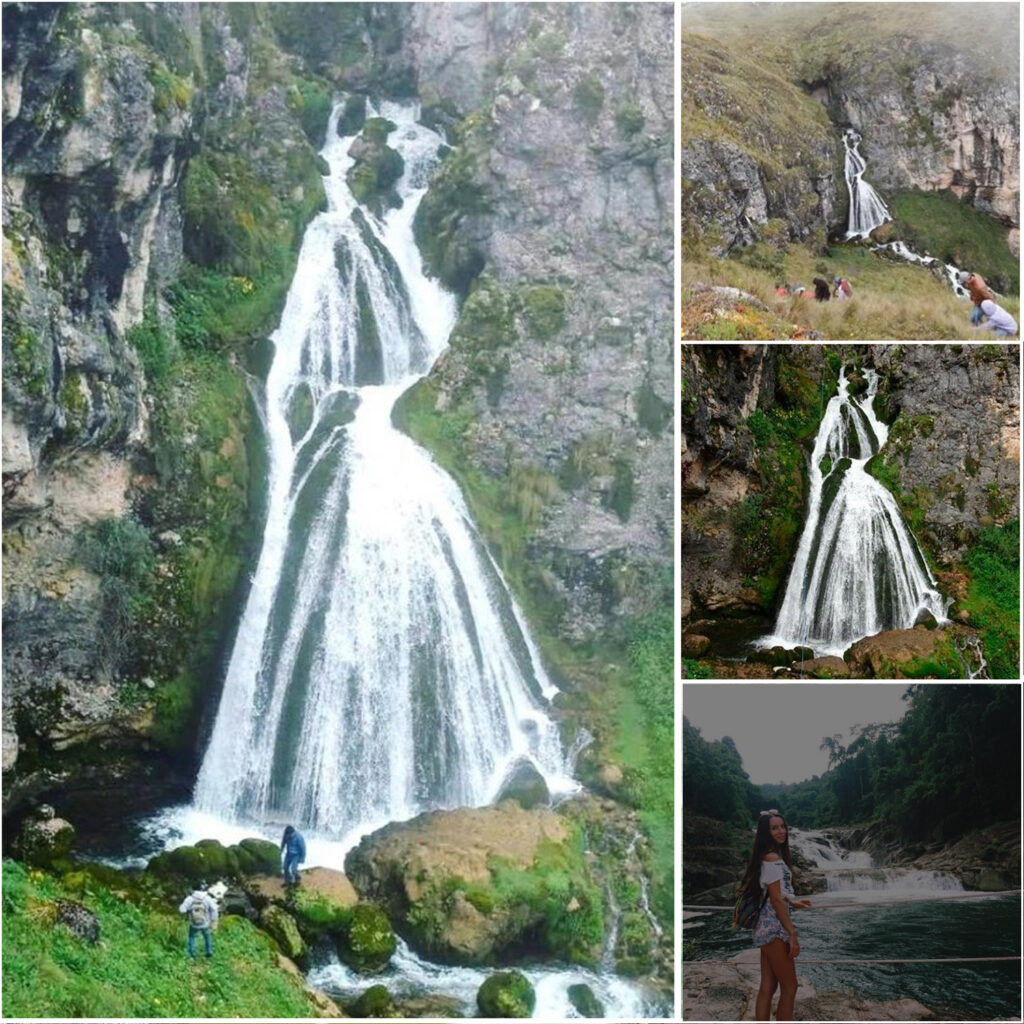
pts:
pixel 904 654
pixel 693 645
pixel 584 1001
pixel 44 838
pixel 79 920
pixel 829 667
pixel 435 877
pixel 369 941
pixel 374 1002
pixel 281 927
pixel 506 994
pixel 525 785
pixel 209 859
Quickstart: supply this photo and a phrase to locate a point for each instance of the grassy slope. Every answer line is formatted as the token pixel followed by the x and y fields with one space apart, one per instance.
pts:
pixel 896 301
pixel 139 967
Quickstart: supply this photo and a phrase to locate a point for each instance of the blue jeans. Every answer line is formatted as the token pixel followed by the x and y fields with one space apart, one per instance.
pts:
pixel 291 868
pixel 207 939
pixel 976 315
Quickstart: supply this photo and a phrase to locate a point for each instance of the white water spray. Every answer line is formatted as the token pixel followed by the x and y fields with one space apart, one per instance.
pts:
pixel 867 211
pixel 858 569
pixel 381 667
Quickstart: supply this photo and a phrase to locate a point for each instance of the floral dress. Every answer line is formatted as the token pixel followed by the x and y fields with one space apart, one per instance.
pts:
pixel 768 925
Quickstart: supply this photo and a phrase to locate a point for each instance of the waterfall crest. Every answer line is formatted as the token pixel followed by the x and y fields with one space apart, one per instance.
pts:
pixel 867 210
pixel 381 667
pixel 858 568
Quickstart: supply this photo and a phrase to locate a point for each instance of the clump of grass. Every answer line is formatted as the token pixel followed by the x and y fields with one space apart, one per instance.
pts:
pixel 993 596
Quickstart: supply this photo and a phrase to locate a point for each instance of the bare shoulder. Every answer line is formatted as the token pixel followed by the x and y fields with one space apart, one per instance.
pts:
pixel 770 857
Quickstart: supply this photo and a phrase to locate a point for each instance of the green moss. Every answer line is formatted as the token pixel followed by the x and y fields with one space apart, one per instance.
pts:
pixel 74 400
pixel 622 493
pixel 27 353
pixel 353 115
pixel 456 192
pixel 311 99
pixel 169 90
pixel 543 310
pixel 506 994
pixel 629 119
pixel 369 939
pixel 588 96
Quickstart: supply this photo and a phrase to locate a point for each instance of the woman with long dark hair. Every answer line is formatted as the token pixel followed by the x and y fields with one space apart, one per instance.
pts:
pixel 771 867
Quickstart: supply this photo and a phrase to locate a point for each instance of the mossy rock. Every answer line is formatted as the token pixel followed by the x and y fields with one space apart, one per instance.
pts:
pixel 369 941
pixel 281 927
pixel 209 860
pixel 544 310
pixel 318 916
pixel 266 855
pixel 353 115
pixel 506 994
pixel 45 843
pixel 524 784
pixel 374 1002
pixel 377 129
pixel 584 1001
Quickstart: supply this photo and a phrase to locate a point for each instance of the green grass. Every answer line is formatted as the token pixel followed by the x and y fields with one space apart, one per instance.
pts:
pixel 891 300
pixel 993 596
pixel 138 968
pixel 938 224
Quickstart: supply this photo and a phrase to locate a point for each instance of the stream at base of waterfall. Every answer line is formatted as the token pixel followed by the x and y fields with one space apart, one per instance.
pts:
pixel 381 667
pixel 979 926
pixel 858 569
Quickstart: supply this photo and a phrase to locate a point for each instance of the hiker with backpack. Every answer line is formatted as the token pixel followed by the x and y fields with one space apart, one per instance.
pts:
pixel 764 893
pixel 200 910
pixel 293 846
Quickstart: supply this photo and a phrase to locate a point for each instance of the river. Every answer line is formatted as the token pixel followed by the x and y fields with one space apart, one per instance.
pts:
pixel 981 925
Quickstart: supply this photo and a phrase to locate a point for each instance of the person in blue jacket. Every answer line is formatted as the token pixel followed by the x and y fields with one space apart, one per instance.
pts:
pixel 293 846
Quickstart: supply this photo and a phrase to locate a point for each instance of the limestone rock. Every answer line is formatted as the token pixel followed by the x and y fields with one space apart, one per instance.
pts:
pixel 432 874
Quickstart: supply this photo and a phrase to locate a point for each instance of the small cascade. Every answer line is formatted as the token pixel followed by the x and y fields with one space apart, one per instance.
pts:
pixel 867 210
pixel 949 271
pixel 854 873
pixel 645 887
pixel 858 569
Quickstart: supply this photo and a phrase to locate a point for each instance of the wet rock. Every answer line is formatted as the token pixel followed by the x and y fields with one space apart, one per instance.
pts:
pixel 525 785
pixel 897 653
pixel 374 1002
pixel 369 941
pixel 584 1001
pixel 506 994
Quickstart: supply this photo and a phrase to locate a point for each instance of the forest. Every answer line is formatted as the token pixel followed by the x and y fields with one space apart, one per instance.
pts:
pixel 950 765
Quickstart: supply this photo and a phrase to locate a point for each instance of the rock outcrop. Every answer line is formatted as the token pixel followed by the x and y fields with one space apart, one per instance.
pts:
pixel 436 875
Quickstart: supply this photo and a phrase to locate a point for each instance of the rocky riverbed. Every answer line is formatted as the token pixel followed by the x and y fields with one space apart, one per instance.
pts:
pixel 719 992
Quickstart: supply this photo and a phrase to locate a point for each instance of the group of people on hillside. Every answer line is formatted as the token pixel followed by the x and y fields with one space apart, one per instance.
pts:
pixel 841 290
pixel 999 321
pixel 200 906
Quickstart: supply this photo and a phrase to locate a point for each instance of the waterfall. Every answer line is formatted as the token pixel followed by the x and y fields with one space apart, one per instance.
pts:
pixel 854 874
pixel 381 667
pixel 858 569
pixel 867 211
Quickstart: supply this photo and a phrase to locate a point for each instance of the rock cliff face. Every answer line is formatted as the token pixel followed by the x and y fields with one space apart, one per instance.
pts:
pixel 559 374
pixel 160 166
pixel 935 113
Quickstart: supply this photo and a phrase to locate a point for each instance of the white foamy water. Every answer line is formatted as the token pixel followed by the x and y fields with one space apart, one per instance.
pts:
pixel 858 569
pixel 381 667
pixel 867 211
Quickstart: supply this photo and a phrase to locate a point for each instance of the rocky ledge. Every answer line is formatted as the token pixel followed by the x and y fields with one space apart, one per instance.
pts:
pixel 718 992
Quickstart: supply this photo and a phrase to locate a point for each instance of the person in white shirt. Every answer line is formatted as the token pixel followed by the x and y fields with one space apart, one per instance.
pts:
pixel 200 910
pixel 771 866
pixel 999 320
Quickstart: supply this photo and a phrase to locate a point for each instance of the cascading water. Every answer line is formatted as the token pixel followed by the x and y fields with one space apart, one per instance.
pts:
pixel 381 667
pixel 858 569
pixel 852 874
pixel 867 211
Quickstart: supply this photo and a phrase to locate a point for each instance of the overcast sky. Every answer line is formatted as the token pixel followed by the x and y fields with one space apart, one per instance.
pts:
pixel 778 727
